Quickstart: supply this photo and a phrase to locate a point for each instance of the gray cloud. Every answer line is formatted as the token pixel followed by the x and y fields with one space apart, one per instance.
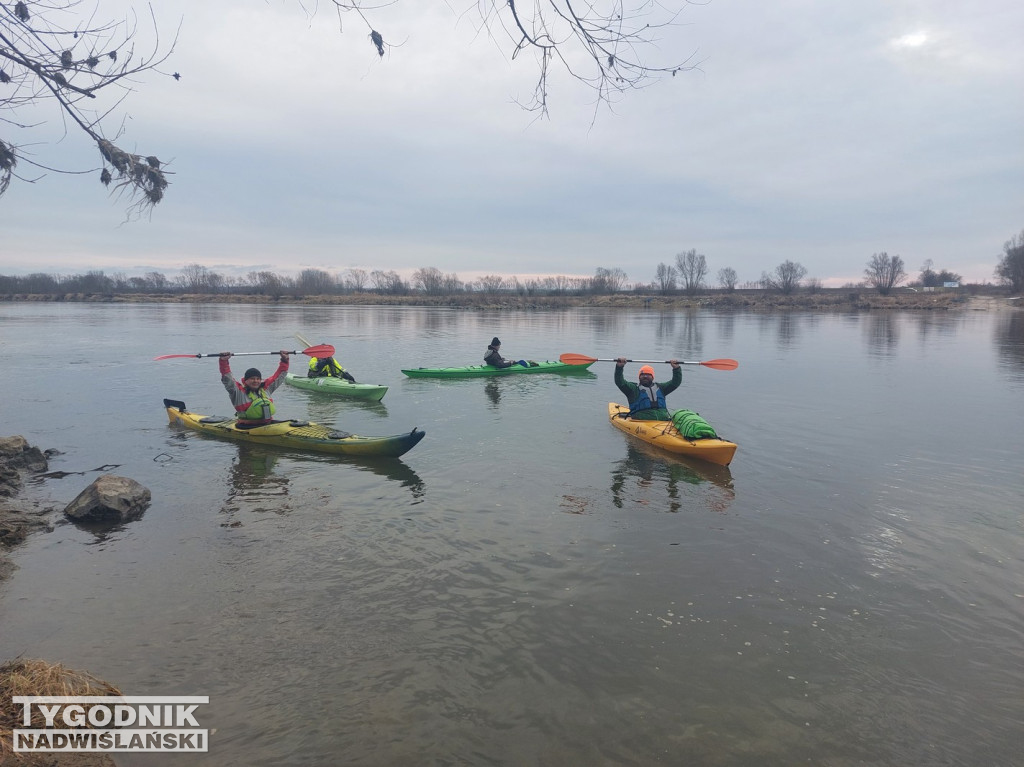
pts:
pixel 817 132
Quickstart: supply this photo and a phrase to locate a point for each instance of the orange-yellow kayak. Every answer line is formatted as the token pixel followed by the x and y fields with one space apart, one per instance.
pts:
pixel 664 435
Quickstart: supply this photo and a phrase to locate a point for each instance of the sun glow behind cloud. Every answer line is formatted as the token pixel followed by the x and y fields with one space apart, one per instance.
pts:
pixel 911 40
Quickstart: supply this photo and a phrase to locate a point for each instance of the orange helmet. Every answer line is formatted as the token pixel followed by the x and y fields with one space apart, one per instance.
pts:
pixel 646 369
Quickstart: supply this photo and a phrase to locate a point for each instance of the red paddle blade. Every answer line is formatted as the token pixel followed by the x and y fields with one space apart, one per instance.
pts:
pixel 721 364
pixel 576 359
pixel 322 350
pixel 176 356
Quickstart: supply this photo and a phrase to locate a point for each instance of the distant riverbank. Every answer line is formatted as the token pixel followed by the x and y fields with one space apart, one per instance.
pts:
pixel 902 299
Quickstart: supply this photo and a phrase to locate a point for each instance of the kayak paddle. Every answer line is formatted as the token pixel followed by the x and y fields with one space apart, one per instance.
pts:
pixel 323 350
pixel 303 340
pixel 582 359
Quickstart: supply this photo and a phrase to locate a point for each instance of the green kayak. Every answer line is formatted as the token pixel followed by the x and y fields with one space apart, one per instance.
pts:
pixel 295 435
pixel 476 371
pixel 338 387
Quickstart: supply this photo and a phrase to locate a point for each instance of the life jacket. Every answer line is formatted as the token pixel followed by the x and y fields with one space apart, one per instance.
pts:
pixel 643 402
pixel 261 406
pixel 326 367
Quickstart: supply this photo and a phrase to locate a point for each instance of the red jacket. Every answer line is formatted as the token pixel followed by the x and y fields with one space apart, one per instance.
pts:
pixel 240 399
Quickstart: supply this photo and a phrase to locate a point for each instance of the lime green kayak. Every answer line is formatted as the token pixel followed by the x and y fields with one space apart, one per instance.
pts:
pixel 338 387
pixel 476 371
pixel 296 435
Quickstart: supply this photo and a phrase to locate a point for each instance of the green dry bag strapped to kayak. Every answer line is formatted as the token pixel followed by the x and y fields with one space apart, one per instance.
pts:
pixel 692 426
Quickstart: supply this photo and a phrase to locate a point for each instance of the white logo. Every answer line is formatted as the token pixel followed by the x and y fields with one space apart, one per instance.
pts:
pixel 112 723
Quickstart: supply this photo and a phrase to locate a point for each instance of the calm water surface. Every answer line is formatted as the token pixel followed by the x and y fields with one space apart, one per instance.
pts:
pixel 528 586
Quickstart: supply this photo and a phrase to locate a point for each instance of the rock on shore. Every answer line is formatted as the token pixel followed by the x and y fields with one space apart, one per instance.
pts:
pixel 18 516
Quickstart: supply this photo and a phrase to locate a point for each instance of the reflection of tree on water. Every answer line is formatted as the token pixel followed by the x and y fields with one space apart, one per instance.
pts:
pixel 726 326
pixel 666 325
pixel 881 332
pixel 430 320
pixel 646 469
pixel 788 326
pixel 1009 338
pixel 605 324
pixel 691 337
pixel 935 323
pixel 788 330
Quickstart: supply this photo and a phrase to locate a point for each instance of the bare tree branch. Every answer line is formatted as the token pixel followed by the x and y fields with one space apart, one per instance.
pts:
pixel 603 45
pixel 48 54
pixel 54 52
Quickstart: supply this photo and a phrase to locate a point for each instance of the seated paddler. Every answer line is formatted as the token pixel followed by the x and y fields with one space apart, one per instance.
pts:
pixel 647 398
pixel 251 396
pixel 494 359
pixel 327 367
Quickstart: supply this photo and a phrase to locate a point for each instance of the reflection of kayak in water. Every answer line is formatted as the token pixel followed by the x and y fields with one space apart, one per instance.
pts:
pixel 687 483
pixel 253 474
pixel 646 461
pixel 395 471
pixel 338 387
pixel 297 435
pixel 663 434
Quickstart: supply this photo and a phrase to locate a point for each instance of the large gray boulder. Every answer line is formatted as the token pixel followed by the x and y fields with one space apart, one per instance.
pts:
pixel 110 499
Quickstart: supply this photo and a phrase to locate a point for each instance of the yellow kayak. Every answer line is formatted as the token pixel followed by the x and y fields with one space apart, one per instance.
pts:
pixel 296 435
pixel 664 435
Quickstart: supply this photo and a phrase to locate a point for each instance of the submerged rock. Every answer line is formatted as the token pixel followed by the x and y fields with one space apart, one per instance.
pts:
pixel 17 523
pixel 18 516
pixel 16 455
pixel 110 499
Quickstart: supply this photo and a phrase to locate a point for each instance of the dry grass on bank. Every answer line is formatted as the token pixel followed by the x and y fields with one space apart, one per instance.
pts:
pixel 38 677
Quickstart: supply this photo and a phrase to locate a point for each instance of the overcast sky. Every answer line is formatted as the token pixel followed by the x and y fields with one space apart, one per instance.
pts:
pixel 820 132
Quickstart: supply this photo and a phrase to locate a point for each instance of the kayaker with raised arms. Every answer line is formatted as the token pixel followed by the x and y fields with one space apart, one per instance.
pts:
pixel 251 396
pixel 494 358
pixel 647 399
pixel 327 367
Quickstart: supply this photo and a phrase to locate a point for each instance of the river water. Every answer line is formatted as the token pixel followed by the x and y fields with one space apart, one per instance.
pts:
pixel 528 585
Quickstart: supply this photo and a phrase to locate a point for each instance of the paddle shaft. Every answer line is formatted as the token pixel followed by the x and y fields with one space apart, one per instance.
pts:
pixel 325 350
pixel 582 359
pixel 681 362
pixel 197 356
pixel 243 354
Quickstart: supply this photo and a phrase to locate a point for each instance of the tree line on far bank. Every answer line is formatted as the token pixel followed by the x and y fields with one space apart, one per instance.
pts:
pixel 688 275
